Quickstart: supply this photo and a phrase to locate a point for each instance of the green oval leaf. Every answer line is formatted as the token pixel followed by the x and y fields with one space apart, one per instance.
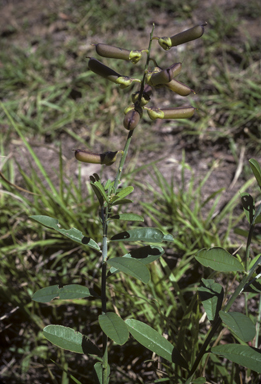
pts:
pixel 146 255
pixel 131 267
pixel 123 193
pixel 211 294
pixel 64 337
pixel 47 294
pixel 150 235
pixel 239 324
pixel 155 342
pixel 219 260
pixel 240 354
pixel 114 327
pixel 127 217
pixel 256 170
pixel 71 291
pixel 73 234
pixel 98 372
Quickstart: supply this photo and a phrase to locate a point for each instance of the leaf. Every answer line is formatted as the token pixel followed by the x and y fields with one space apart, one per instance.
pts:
pixel 114 327
pixel 218 259
pixel 240 354
pixel 155 342
pixel 211 295
pixel 256 170
pixel 150 235
pixel 73 234
pixel 248 206
pixel 131 267
pixel 239 324
pixel 47 294
pixel 64 337
pixel 254 286
pixel 146 255
pixel 122 193
pixel 71 291
pixel 127 216
pixel 97 184
pixel 122 202
pixel 98 370
pixel 98 194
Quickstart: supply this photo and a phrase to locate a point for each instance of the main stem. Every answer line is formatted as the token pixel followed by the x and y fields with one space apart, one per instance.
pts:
pixel 104 215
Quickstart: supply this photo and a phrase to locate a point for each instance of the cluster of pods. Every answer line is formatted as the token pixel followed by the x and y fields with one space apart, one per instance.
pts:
pixel 155 78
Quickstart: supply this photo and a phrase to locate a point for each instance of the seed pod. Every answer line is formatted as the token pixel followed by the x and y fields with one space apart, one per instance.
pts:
pixel 183 37
pixel 171 113
pixel 102 70
pixel 164 76
pixel 106 158
pixel 179 88
pixel 131 119
pixel 118 53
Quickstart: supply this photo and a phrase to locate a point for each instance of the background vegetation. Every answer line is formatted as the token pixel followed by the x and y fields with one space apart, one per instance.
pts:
pixel 188 172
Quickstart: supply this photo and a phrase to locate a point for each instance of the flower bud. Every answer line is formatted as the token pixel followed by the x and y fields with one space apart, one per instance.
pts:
pixel 164 76
pixel 106 158
pixel 171 113
pixel 131 119
pixel 102 70
pixel 183 37
pixel 118 53
pixel 179 88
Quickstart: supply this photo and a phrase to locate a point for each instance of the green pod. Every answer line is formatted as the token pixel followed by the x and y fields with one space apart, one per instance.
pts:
pixel 118 53
pixel 179 88
pixel 188 35
pixel 178 113
pixel 164 76
pixel 106 158
pixel 102 70
pixel 183 37
pixel 131 119
pixel 171 113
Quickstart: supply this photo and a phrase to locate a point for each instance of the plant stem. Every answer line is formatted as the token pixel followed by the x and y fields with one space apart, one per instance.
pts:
pixel 104 215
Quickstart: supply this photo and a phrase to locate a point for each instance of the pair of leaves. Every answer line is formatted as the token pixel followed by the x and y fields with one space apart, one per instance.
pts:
pixel 73 233
pixel 117 330
pixel 71 291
